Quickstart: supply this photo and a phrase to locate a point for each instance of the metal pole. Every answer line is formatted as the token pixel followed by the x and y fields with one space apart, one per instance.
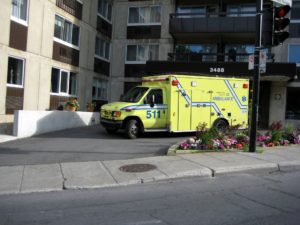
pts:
pixel 256 78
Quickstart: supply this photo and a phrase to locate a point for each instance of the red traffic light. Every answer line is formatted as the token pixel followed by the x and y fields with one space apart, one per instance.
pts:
pixel 282 11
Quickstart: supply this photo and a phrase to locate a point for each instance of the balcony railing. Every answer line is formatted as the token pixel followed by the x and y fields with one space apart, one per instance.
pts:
pixel 212 57
pixel 223 25
pixel 213 15
pixel 71 6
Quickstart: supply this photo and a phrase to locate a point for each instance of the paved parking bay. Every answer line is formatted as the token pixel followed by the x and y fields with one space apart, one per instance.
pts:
pixel 84 144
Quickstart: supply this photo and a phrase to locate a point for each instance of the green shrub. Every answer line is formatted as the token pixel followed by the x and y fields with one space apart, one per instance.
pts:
pixel 276 136
pixel 207 136
pixel 288 129
pixel 200 130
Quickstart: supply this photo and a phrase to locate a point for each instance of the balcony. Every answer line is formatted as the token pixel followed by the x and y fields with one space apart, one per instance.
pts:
pixel 71 6
pixel 104 27
pixel 210 57
pixel 235 28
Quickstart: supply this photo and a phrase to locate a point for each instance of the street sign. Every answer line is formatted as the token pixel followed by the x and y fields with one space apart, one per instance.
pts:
pixel 251 62
pixel 262 60
pixel 283 2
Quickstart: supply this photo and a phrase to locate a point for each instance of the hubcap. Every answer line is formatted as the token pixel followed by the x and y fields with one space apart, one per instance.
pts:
pixel 134 129
pixel 221 125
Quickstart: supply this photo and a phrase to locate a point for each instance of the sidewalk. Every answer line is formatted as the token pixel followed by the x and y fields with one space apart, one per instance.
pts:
pixel 57 177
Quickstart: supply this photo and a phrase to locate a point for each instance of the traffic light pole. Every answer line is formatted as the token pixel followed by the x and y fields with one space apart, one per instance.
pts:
pixel 256 78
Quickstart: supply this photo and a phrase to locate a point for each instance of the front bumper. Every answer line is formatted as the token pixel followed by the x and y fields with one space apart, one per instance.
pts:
pixel 111 123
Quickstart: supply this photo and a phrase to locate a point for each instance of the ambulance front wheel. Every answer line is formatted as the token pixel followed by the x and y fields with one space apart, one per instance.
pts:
pixel 221 124
pixel 132 129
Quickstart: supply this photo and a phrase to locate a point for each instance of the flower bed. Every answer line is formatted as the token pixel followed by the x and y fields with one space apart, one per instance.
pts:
pixel 212 139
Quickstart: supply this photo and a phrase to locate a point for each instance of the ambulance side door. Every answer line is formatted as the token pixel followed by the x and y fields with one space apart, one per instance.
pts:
pixel 155 113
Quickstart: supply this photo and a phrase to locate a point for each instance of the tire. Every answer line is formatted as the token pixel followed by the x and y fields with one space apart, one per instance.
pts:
pixel 111 130
pixel 221 125
pixel 132 129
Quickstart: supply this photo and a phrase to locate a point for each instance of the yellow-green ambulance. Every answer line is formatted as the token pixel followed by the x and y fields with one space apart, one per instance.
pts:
pixel 178 103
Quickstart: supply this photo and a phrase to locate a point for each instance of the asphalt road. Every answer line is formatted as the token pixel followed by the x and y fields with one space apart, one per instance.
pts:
pixel 84 144
pixel 248 199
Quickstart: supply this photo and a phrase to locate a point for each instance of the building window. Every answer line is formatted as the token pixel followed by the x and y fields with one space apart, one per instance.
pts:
pixel 293 103
pixel 294 28
pixel 295 10
pixel 241 10
pixel 238 53
pixel 15 72
pixel 139 54
pixel 196 52
pixel 105 9
pixel 150 15
pixel 73 84
pixel 66 31
pixel 102 49
pixel 99 89
pixel 63 82
pixel 19 11
pixel 294 53
pixel 197 11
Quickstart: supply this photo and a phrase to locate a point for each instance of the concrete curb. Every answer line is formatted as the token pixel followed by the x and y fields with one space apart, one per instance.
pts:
pixel 172 149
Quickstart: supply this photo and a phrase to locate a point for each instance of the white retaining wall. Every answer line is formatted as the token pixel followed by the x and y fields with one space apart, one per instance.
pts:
pixel 29 123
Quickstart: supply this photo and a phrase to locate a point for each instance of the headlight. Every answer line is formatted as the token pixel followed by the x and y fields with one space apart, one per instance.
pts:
pixel 116 114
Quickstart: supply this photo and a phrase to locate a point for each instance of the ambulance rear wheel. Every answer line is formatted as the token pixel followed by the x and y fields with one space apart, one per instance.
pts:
pixel 132 129
pixel 221 125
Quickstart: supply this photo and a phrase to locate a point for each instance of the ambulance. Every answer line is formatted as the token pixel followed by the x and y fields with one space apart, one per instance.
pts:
pixel 178 103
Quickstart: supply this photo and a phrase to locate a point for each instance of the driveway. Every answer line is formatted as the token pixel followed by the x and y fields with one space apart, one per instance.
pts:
pixel 84 144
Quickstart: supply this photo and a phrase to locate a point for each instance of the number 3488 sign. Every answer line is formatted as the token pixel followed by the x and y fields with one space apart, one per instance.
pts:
pixel 216 69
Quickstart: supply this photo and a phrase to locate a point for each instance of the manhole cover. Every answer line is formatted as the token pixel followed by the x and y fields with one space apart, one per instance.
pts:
pixel 137 168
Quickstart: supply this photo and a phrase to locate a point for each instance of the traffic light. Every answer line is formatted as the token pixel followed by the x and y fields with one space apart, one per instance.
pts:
pixel 280 22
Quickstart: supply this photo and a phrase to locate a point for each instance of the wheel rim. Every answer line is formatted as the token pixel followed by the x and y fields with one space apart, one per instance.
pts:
pixel 221 125
pixel 134 129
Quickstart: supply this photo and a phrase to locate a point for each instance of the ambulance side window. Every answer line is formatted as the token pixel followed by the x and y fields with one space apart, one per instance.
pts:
pixel 158 97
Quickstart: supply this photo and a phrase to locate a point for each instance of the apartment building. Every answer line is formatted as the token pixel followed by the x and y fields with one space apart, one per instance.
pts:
pixel 51 50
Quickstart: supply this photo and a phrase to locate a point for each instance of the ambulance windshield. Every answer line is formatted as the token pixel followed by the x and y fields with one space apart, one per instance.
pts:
pixel 134 94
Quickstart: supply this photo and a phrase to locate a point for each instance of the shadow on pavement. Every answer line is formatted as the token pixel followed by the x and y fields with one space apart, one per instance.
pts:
pixel 97 132
pixel 85 144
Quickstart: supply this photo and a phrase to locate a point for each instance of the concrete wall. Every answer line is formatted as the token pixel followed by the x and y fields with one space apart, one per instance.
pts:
pixel 277 102
pixel 29 123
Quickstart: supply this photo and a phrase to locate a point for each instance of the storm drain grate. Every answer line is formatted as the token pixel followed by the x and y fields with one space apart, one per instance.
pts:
pixel 137 168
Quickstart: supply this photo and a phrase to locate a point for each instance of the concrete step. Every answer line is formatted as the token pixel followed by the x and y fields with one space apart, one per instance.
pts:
pixel 6 124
